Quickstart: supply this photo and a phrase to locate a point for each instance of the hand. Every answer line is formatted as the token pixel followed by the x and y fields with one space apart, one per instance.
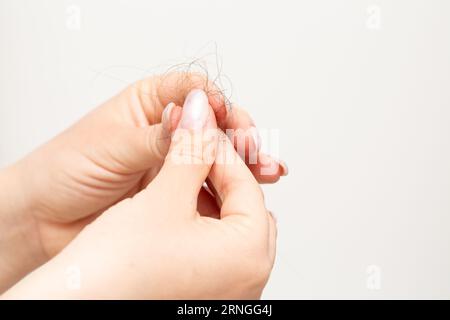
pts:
pixel 157 245
pixel 108 156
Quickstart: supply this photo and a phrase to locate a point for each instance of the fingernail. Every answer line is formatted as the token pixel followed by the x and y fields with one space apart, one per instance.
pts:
pixel 195 110
pixel 265 159
pixel 284 168
pixel 166 114
pixel 256 137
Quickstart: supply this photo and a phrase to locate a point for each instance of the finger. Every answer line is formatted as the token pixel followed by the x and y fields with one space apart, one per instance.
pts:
pixel 244 131
pixel 240 193
pixel 247 143
pixel 268 169
pixel 138 149
pixel 192 149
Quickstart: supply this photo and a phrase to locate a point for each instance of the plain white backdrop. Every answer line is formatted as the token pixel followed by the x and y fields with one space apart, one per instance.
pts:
pixel 359 91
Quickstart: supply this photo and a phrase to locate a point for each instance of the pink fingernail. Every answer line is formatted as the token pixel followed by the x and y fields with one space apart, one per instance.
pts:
pixel 195 110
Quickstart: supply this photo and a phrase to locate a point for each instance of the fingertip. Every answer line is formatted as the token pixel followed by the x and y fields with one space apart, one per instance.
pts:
pixel 269 169
pixel 166 116
pixel 217 102
pixel 175 117
pixel 284 168
pixel 264 178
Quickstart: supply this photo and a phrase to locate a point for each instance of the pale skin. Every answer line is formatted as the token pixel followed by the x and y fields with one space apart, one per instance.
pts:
pixel 106 170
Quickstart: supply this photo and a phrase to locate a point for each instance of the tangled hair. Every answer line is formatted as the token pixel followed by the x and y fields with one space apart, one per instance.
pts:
pixel 203 72
pixel 197 74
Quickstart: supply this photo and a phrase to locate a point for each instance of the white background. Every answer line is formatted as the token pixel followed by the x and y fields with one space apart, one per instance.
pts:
pixel 360 91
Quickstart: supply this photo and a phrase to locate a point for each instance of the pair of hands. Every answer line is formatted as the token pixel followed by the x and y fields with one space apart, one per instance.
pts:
pixel 155 230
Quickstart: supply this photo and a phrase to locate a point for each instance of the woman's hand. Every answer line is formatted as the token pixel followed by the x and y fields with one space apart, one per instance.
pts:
pixel 157 245
pixel 108 156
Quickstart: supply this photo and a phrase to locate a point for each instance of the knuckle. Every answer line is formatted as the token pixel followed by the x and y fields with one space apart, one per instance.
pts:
pixel 156 145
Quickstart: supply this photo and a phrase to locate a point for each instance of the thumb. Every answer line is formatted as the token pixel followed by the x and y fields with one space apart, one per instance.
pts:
pixel 192 150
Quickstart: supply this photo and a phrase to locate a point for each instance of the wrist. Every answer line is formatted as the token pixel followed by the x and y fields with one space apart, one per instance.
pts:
pixel 20 247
